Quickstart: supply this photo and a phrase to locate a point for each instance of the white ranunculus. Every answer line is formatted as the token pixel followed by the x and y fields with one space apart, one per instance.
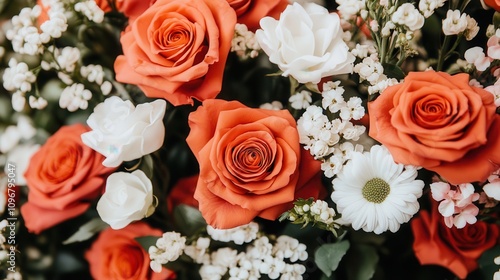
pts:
pixel 128 197
pixel 306 43
pixel 123 132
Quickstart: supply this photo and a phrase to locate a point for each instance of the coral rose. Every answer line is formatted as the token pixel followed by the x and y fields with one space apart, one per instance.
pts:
pixel 64 176
pixel 250 12
pixel 177 49
pixel 251 163
pixel 441 123
pixel 115 254
pixel 495 4
pixel 455 249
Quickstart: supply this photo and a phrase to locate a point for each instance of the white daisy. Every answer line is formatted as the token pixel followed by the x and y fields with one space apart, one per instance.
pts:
pixel 376 194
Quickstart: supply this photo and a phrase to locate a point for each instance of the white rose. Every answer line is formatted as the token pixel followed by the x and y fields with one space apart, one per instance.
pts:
pixel 306 43
pixel 128 197
pixel 123 132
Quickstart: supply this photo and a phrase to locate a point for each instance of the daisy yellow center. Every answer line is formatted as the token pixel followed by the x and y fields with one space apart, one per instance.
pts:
pixel 376 190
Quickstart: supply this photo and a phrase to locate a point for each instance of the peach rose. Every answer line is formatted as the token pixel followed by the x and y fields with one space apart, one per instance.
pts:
pixel 115 254
pixel 64 176
pixel 177 49
pixel 251 163
pixel 250 12
pixel 439 122
pixel 455 249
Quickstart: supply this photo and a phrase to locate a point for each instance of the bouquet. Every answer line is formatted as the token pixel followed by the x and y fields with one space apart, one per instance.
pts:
pixel 248 139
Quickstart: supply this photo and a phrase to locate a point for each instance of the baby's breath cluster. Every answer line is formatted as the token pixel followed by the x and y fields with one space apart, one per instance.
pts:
pixel 239 235
pixel 168 248
pixel 329 140
pixel 317 213
pixel 262 255
pixel 244 43
pixel 31 37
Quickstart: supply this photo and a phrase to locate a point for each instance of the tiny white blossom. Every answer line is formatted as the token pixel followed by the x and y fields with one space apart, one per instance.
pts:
pixel 333 99
pixel 409 16
pixel 427 7
pixel 91 10
pixel 454 23
pixel 239 235
pixel 37 102
pixel 386 30
pixel 332 166
pixel 18 77
pixel 300 100
pixel 168 248
pixel 353 109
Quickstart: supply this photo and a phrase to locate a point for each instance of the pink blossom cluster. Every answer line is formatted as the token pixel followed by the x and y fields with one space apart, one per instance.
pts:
pixel 456 203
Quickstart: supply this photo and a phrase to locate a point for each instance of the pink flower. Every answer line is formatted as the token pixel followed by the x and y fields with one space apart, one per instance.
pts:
pixel 456 204
pixel 494 47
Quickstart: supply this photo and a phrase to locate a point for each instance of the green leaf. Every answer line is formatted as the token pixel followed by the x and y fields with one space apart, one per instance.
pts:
pixel 327 257
pixel 486 265
pixel 86 231
pixel 188 219
pixel 393 71
pixel 362 260
pixel 147 241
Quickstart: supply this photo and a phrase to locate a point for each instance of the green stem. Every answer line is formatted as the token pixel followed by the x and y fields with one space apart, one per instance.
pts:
pixel 443 52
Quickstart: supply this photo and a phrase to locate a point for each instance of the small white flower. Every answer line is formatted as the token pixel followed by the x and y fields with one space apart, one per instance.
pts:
pixel 454 23
pixel 238 235
pixel 353 109
pixel 333 99
pixel 91 10
pixel 18 101
pixel 18 77
pixel 427 7
pixel 409 16
pixel 300 100
pixel 198 250
pixel 332 166
pixel 168 248
pixel 37 102
pixel 123 132
pixel 376 194
pixel 128 197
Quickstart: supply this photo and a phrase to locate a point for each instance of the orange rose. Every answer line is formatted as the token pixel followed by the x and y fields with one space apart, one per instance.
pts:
pixel 495 4
pixel 439 122
pixel 250 12
pixel 177 49
pixel 455 249
pixel 116 255
pixel 251 163
pixel 64 176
